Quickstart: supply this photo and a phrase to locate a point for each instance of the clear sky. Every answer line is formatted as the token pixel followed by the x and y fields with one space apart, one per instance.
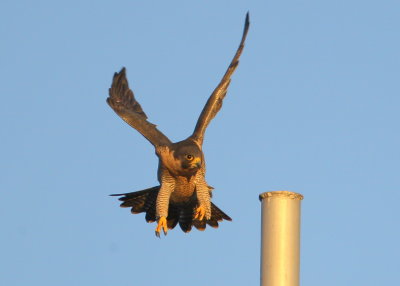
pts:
pixel 312 108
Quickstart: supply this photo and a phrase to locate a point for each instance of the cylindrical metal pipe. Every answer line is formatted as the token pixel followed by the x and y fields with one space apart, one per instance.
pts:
pixel 280 238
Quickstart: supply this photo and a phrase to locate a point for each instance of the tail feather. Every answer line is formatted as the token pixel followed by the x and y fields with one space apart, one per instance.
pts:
pixel 218 214
pixel 140 201
pixel 200 224
pixel 151 214
pixel 145 201
pixel 186 218
pixel 213 223
pixel 173 217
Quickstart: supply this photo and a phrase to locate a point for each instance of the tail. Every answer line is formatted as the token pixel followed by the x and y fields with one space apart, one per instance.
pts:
pixel 183 213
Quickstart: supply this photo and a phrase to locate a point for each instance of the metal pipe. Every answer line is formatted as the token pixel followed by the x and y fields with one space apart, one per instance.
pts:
pixel 280 238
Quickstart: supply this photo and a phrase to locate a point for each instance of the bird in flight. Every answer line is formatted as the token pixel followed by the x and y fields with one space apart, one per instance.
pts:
pixel 183 195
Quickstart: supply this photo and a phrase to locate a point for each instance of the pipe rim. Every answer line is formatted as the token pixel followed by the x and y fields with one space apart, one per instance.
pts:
pixel 285 194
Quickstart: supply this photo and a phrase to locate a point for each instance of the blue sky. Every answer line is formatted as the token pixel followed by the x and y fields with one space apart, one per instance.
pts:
pixel 313 108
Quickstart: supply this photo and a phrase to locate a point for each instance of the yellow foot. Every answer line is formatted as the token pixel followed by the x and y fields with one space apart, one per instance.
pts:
pixel 200 212
pixel 162 224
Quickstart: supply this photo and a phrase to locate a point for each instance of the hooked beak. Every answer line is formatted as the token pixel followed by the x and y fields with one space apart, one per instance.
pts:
pixel 196 163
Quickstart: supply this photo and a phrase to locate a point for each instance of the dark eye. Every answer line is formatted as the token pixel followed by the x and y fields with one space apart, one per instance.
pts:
pixel 189 157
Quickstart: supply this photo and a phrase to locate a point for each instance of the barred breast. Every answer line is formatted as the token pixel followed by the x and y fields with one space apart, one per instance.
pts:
pixel 184 189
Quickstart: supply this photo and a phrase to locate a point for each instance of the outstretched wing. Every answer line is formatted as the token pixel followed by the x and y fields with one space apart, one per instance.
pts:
pixel 214 103
pixel 122 100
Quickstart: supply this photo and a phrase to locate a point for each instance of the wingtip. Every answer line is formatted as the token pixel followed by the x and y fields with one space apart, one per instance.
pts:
pixel 121 72
pixel 247 21
pixel 246 27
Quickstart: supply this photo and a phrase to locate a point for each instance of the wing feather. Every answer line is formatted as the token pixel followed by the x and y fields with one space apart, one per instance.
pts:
pixel 122 100
pixel 214 103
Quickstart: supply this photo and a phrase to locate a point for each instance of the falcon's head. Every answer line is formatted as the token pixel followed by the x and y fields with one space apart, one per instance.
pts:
pixel 189 156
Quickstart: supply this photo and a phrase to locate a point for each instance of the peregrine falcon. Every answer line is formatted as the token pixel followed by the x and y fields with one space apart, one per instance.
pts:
pixel 183 195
